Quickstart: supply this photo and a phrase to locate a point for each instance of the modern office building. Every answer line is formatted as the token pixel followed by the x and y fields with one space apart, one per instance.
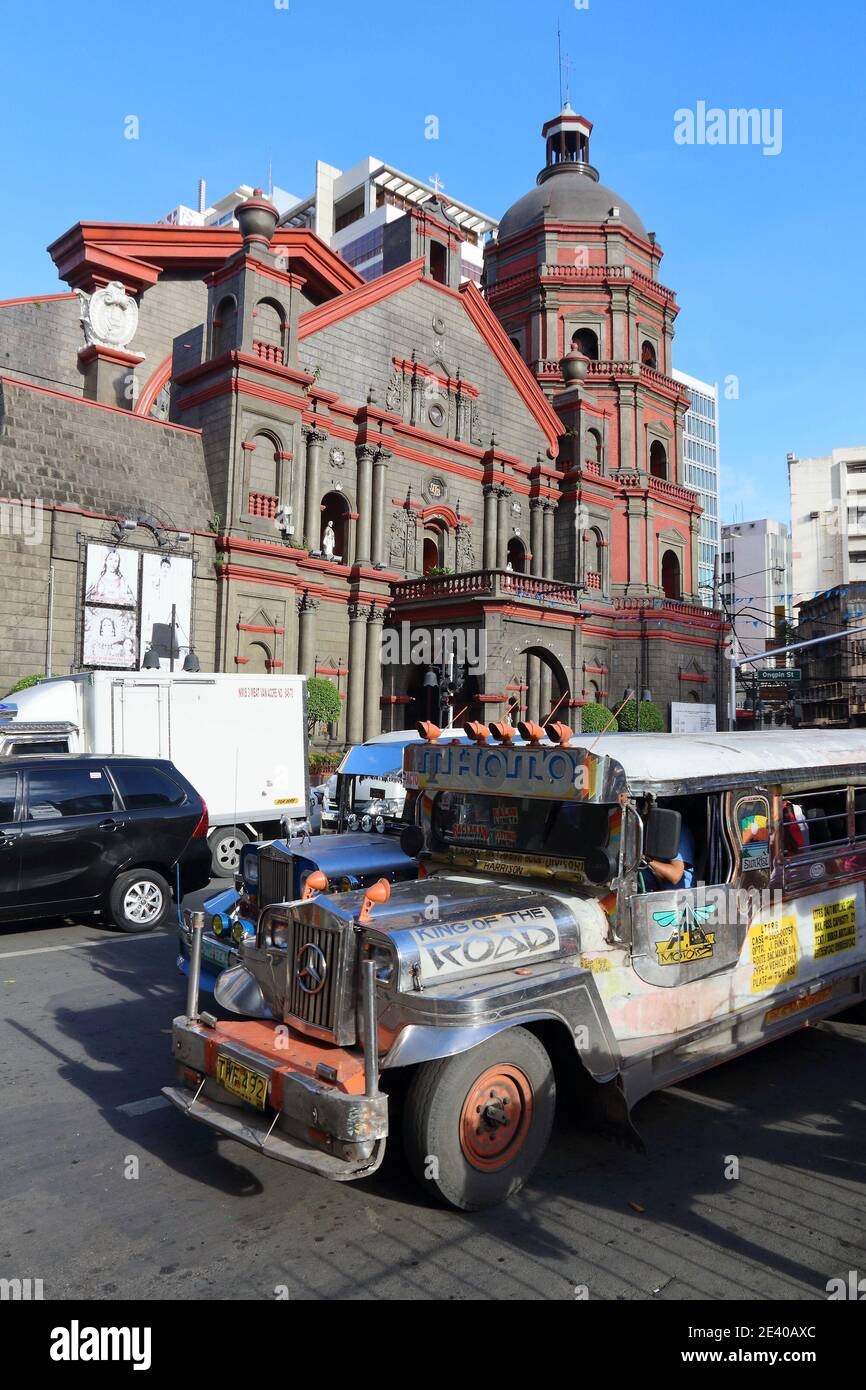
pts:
pixel 756 582
pixel 349 210
pixel 833 693
pixel 828 521
pixel 701 471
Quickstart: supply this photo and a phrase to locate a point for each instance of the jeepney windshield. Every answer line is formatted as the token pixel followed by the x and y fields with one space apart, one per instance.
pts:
pixel 564 830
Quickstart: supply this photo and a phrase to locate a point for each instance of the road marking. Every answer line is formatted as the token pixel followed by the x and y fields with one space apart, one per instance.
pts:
pixel 76 945
pixel 143 1107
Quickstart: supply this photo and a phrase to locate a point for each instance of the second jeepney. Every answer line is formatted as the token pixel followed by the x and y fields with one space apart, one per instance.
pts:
pixel 529 959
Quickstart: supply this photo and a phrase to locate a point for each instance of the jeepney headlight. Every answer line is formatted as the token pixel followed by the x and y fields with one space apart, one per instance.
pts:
pixel 278 931
pixel 250 868
pixel 384 960
pixel 241 930
pixel 219 923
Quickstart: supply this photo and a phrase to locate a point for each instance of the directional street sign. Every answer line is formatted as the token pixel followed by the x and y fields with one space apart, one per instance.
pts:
pixel 778 675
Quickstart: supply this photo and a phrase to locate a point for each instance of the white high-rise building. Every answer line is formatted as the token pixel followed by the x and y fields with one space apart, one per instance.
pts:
pixel 701 471
pixel 349 210
pixel 756 582
pixel 828 520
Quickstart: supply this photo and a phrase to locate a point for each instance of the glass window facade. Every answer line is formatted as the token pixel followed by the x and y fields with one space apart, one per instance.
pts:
pixel 701 472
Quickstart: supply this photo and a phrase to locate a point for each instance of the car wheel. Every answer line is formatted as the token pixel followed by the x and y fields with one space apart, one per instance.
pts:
pixel 476 1125
pixel 225 851
pixel 139 900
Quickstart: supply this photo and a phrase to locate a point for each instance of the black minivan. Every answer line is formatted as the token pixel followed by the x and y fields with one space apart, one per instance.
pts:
pixel 87 834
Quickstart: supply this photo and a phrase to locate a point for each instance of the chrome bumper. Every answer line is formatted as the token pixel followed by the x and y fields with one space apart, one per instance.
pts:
pixel 318 1126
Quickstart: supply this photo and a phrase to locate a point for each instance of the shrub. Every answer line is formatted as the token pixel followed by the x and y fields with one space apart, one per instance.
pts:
pixel 595 717
pixel 323 764
pixel 24 684
pixel 323 703
pixel 651 718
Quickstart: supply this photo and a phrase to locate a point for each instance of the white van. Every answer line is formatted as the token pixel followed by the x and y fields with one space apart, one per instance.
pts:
pixel 240 740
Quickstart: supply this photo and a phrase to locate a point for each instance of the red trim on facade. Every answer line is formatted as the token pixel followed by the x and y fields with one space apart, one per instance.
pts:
pixel 266 629
pixel 370 292
pixel 332 670
pixel 153 386
pixel 34 299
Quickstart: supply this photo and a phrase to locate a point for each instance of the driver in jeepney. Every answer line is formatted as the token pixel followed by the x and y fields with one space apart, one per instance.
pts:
pixel 656 875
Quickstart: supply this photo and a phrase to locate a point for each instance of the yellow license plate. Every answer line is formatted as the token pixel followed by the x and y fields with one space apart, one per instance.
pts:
pixel 251 1086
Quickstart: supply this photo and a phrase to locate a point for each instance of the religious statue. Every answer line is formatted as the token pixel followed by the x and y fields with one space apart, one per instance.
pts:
pixel 329 541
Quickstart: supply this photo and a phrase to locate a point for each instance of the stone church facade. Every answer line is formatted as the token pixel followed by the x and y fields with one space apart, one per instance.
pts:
pixel 393 484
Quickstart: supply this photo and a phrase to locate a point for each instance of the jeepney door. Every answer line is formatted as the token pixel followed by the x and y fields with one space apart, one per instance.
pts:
pixel 684 934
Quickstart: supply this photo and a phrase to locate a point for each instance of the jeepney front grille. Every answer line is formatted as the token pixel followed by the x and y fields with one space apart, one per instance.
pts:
pixel 275 878
pixel 330 1011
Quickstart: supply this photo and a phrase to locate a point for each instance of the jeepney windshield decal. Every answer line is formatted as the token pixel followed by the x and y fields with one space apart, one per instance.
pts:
pixel 562 830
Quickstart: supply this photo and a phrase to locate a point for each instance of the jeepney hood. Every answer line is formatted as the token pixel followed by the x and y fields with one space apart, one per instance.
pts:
pixel 428 931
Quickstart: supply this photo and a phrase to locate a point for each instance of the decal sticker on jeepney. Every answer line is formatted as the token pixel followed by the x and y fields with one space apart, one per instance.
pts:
pixel 775 949
pixel 835 926
pixel 522 867
pixel 506 939
pixel 688 939
pixel 597 965
pixel 796 1006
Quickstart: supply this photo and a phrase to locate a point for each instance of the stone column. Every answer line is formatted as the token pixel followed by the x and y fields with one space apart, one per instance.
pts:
pixel 489 542
pixel 694 536
pixel 364 536
pixel 350 534
pixel 502 496
pixel 313 502
pixel 548 564
pixel 377 527
pixel 536 542
pixel 545 689
pixel 373 674
pixel 355 713
pixel 533 681
pixel 307 635
pixel 297 500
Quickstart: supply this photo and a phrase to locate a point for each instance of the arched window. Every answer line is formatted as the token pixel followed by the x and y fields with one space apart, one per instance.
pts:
pixel 263 477
pixel 259 662
pixel 648 353
pixel 594 692
pixel 335 510
pixel 671 574
pixel 224 326
pixel 433 555
pixel 594 444
pixel 517 555
pixel 586 341
pixel 268 331
pixel 439 262
pixel 594 558
pixel 658 459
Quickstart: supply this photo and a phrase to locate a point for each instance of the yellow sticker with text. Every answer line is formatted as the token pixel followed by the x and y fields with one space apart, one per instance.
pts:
pixel 775 953
pixel 835 927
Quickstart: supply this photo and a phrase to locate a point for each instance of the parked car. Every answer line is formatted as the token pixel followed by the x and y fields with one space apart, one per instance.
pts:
pixel 87 834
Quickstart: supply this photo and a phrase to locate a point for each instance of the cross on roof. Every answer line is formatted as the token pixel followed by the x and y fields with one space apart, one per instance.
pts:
pixel 436 184
pixel 567 64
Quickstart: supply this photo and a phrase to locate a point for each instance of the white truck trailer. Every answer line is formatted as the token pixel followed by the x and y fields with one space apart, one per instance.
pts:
pixel 240 740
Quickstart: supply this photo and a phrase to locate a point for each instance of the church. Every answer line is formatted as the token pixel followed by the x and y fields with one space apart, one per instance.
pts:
pixel 221 449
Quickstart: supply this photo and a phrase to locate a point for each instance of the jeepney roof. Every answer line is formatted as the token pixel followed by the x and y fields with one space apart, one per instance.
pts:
pixel 654 762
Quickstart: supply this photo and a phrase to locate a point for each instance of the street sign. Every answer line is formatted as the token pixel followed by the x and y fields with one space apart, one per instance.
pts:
pixel 778 675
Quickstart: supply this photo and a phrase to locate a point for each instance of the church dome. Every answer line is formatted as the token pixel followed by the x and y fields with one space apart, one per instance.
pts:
pixel 567 188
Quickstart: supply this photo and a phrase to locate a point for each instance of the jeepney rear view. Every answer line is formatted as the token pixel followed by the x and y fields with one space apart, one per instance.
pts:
pixel 535 949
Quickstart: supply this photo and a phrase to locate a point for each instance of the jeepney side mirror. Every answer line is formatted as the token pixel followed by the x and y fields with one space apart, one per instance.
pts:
pixel 662 833
pixel 412 840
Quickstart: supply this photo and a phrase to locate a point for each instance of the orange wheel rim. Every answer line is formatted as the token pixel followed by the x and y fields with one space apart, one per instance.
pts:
pixel 495 1118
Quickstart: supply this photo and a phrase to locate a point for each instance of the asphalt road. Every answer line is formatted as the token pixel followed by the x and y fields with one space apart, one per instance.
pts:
pixel 107 1192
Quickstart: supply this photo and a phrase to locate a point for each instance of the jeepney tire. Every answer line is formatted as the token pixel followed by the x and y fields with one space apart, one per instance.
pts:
pixel 226 844
pixel 444 1148
pixel 139 900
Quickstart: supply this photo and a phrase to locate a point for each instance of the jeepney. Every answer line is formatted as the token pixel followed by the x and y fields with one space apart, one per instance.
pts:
pixel 526 962
pixel 277 870
pixel 369 792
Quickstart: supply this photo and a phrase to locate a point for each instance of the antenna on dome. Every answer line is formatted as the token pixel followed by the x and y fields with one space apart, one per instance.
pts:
pixel 559 60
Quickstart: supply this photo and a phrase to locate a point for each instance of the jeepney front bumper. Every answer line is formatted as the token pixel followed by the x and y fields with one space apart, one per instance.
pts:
pixel 327 1127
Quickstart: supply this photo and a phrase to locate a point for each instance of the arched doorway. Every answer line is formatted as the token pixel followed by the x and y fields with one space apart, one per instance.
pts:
pixel 547 685
pixel 335 513
pixel 516 555
pixel 671 583
pixel 434 546
pixel 658 459
pixel 586 341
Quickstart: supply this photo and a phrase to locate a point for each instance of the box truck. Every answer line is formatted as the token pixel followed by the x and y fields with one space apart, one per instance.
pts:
pixel 240 740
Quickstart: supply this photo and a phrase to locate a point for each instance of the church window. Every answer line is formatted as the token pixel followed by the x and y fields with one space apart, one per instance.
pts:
pixel 439 262
pixel 586 341
pixel 671 575
pixel 648 354
pixel 658 459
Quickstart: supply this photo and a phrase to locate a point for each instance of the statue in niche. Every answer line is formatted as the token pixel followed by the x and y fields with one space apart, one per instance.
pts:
pixel 329 541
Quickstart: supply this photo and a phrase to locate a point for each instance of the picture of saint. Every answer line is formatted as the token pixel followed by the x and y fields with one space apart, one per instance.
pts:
pixel 112 576
pixel 109 638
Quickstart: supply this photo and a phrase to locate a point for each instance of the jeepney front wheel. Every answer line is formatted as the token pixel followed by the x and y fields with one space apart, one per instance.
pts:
pixel 476 1125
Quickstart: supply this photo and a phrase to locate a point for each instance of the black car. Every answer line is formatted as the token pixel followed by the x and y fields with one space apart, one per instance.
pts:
pixel 85 834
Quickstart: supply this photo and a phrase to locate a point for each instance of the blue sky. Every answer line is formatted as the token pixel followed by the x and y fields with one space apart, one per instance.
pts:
pixel 763 251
